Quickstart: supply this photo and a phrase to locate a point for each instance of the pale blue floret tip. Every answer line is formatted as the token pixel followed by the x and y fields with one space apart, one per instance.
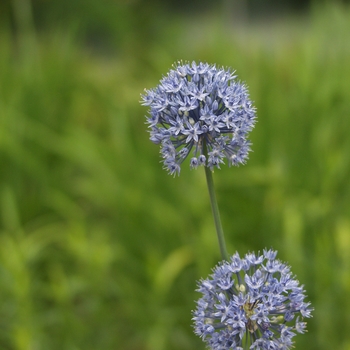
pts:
pixel 251 303
pixel 198 106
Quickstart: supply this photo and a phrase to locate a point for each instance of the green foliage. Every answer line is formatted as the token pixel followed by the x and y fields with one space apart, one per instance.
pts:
pixel 100 248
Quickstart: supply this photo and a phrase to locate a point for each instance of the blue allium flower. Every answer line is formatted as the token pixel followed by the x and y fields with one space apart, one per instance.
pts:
pixel 203 112
pixel 251 303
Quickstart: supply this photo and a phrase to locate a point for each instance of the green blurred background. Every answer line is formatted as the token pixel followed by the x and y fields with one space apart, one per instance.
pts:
pixel 99 247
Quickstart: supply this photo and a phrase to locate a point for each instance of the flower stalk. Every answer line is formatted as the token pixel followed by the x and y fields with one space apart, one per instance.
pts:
pixel 216 214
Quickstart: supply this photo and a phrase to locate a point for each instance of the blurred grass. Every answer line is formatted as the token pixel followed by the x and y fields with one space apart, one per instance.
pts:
pixel 100 248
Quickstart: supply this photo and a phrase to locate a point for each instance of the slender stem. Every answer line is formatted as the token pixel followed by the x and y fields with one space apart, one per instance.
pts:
pixel 24 22
pixel 216 214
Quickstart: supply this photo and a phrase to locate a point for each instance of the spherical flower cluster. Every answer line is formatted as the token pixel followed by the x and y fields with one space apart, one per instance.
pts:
pixel 203 109
pixel 251 303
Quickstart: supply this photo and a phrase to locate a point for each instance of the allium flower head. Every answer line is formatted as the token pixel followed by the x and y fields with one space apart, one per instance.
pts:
pixel 200 111
pixel 251 303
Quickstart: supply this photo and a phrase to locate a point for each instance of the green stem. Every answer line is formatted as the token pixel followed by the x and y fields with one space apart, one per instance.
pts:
pixel 216 213
pixel 24 22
